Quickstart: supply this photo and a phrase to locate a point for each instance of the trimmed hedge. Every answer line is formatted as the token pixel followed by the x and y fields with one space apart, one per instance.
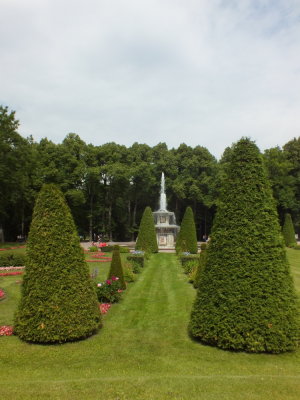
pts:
pixel 116 269
pixel 187 237
pixel 288 231
pixel 58 302
pixel 146 240
pixel 12 260
pixel 137 259
pixel 246 299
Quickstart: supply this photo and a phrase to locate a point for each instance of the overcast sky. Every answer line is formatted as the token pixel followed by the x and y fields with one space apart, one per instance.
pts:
pixel 202 72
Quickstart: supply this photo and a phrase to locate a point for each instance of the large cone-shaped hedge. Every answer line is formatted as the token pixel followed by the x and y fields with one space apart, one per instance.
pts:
pixel 116 268
pixel 187 237
pixel 59 301
pixel 288 231
pixel 146 239
pixel 246 298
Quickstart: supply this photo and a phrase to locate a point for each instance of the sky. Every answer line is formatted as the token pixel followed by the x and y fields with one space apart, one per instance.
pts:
pixel 200 72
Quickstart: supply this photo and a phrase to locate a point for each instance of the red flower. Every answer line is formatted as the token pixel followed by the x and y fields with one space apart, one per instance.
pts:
pixel 108 281
pixel 104 307
pixel 6 330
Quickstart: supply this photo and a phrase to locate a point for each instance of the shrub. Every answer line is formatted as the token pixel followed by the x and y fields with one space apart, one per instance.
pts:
pixel 192 274
pixel 116 268
pixel 246 299
pixel 109 291
pixel 137 260
pixel 93 249
pixel 107 249
pixel 12 260
pixel 190 264
pixel 124 249
pixel 129 274
pixel 201 265
pixel 146 240
pixel 58 301
pixel 288 231
pixel 187 237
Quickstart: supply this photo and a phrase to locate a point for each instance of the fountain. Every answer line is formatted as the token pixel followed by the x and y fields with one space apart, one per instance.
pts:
pixel 165 221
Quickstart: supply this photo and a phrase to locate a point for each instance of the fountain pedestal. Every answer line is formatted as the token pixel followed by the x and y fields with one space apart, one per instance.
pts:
pixel 165 222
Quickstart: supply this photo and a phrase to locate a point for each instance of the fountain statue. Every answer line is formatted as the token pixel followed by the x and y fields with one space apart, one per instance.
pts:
pixel 165 221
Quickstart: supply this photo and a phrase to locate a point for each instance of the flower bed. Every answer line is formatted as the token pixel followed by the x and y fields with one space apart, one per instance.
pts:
pixel 104 307
pixel 11 273
pixel 2 294
pixel 13 248
pixel 11 268
pixel 106 260
pixel 109 291
pixel 6 330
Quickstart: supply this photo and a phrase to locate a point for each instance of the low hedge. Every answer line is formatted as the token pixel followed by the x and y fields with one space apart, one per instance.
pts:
pixel 137 259
pixel 189 257
pixel 106 249
pixel 12 260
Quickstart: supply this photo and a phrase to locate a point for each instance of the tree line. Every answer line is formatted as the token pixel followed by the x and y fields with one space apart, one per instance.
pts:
pixel 108 187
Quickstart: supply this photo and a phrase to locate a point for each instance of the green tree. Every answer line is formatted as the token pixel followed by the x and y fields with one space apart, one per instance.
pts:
pixel 146 239
pixel 116 269
pixel 288 231
pixel 58 302
pixel 187 237
pixel 246 299
pixel 15 167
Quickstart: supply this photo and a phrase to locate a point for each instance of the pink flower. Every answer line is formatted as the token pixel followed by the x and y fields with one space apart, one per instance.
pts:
pixel 6 330
pixel 99 284
pixel 114 278
pixel 104 307
pixel 108 281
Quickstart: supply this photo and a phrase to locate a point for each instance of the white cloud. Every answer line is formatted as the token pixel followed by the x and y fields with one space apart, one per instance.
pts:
pixel 201 72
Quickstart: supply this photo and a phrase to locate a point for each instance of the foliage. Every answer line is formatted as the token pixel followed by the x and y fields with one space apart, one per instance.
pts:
pixel 190 265
pixel 12 260
pixel 107 249
pixel 58 302
pixel 130 272
pixel 288 231
pixel 109 291
pixel 137 260
pixel 116 268
pixel 124 249
pixel 246 299
pixel 201 265
pixel 192 274
pixel 146 240
pixel 187 237
pixel 151 333
pixel 93 249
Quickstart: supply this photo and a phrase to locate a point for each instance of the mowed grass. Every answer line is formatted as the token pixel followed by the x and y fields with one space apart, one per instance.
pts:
pixel 144 352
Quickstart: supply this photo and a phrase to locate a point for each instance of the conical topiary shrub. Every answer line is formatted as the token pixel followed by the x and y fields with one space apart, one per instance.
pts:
pixel 187 237
pixel 246 299
pixel 146 239
pixel 288 231
pixel 116 269
pixel 58 302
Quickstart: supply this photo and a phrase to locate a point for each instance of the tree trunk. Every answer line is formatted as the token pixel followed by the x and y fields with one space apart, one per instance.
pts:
pixel 91 219
pixel 134 218
pixel 129 215
pixel 1 234
pixel 109 221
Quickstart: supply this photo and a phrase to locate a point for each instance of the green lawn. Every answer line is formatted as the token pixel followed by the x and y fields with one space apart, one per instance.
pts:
pixel 144 352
